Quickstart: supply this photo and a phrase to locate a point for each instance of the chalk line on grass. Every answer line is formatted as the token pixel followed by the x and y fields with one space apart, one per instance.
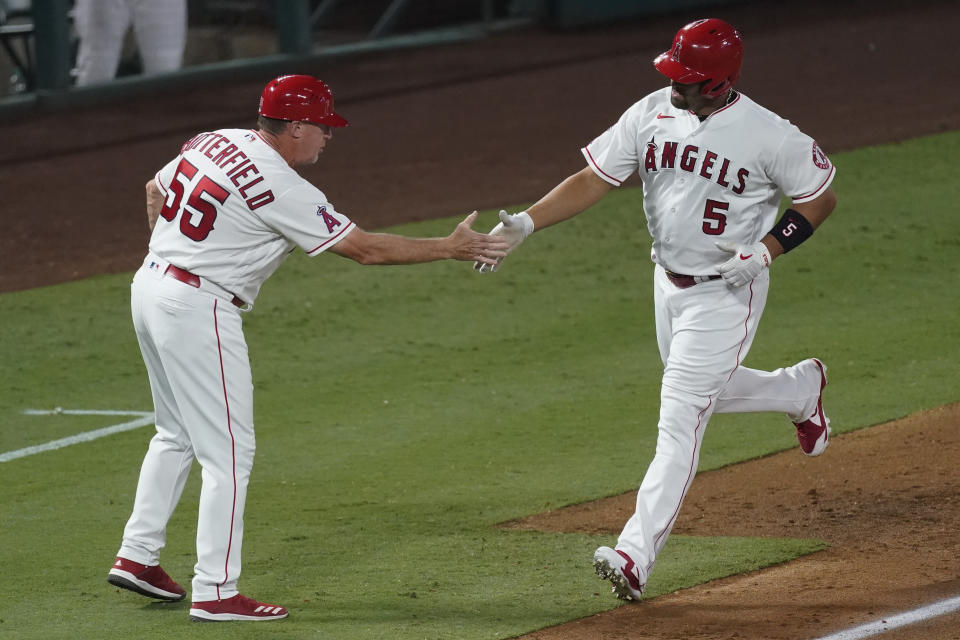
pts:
pixel 144 418
pixel 921 614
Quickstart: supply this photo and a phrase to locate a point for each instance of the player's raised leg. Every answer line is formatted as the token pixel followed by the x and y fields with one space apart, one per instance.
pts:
pixel 796 391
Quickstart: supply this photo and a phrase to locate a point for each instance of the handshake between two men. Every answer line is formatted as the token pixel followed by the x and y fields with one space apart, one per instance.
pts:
pixel 746 263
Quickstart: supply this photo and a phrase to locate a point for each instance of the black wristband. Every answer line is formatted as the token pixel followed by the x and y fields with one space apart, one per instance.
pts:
pixel 791 230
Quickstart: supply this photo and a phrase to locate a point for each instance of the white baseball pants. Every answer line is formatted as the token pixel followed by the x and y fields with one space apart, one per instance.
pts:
pixel 704 333
pixel 196 357
pixel 160 27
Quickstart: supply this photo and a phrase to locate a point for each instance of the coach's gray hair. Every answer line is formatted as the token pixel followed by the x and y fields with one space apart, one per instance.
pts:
pixel 272 125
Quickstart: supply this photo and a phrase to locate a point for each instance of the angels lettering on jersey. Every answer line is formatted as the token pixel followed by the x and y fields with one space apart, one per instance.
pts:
pixel 690 158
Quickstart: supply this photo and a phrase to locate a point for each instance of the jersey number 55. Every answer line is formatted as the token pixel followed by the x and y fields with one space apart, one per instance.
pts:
pixel 196 204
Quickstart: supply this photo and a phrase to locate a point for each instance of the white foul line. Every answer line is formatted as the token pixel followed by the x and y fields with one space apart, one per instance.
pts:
pixel 900 620
pixel 145 418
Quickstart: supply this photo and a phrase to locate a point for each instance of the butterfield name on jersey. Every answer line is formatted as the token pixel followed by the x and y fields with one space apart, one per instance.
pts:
pixel 244 175
pixel 688 162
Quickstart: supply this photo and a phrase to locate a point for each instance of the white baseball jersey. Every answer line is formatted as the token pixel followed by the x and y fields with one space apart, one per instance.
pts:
pixel 720 179
pixel 717 180
pixel 234 210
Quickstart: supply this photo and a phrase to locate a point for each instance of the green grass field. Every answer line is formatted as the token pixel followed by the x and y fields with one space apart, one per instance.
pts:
pixel 402 412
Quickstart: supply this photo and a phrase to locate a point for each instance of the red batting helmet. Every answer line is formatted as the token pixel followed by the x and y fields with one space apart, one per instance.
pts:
pixel 299 98
pixel 710 50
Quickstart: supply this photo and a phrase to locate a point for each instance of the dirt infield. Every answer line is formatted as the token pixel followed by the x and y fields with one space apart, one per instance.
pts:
pixel 886 499
pixel 442 131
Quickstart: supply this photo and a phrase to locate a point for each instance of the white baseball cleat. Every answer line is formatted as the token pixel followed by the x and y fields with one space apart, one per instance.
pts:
pixel 617 567
pixel 236 608
pixel 814 432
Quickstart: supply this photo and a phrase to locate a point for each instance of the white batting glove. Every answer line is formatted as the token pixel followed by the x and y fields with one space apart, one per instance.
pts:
pixel 514 228
pixel 746 263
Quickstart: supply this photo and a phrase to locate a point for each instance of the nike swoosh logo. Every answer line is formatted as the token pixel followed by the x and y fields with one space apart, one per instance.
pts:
pixel 743 257
pixel 660 116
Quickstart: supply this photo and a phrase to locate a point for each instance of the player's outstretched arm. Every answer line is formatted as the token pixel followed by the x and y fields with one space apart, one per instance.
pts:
pixel 387 248
pixel 574 195
pixel 514 228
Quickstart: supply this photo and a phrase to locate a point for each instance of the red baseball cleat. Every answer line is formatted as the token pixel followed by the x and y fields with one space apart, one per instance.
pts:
pixel 814 432
pixel 152 582
pixel 238 607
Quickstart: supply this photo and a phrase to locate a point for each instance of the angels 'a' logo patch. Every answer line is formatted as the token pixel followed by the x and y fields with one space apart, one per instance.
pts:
pixel 331 222
pixel 819 157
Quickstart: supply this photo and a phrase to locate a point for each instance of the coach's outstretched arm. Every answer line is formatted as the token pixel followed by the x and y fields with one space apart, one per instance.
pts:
pixel 387 248
pixel 574 195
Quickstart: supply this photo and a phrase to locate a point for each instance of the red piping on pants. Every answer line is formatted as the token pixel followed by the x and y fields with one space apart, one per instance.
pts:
pixel 690 473
pixel 233 452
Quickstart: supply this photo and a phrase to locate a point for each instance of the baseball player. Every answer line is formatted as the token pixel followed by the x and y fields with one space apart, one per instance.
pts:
pixel 714 166
pixel 160 29
pixel 225 213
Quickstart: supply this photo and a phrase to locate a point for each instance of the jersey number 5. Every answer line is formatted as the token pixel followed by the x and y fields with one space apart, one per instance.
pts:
pixel 195 203
pixel 715 222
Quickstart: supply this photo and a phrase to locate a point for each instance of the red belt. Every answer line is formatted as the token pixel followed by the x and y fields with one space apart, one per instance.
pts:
pixel 685 282
pixel 193 280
